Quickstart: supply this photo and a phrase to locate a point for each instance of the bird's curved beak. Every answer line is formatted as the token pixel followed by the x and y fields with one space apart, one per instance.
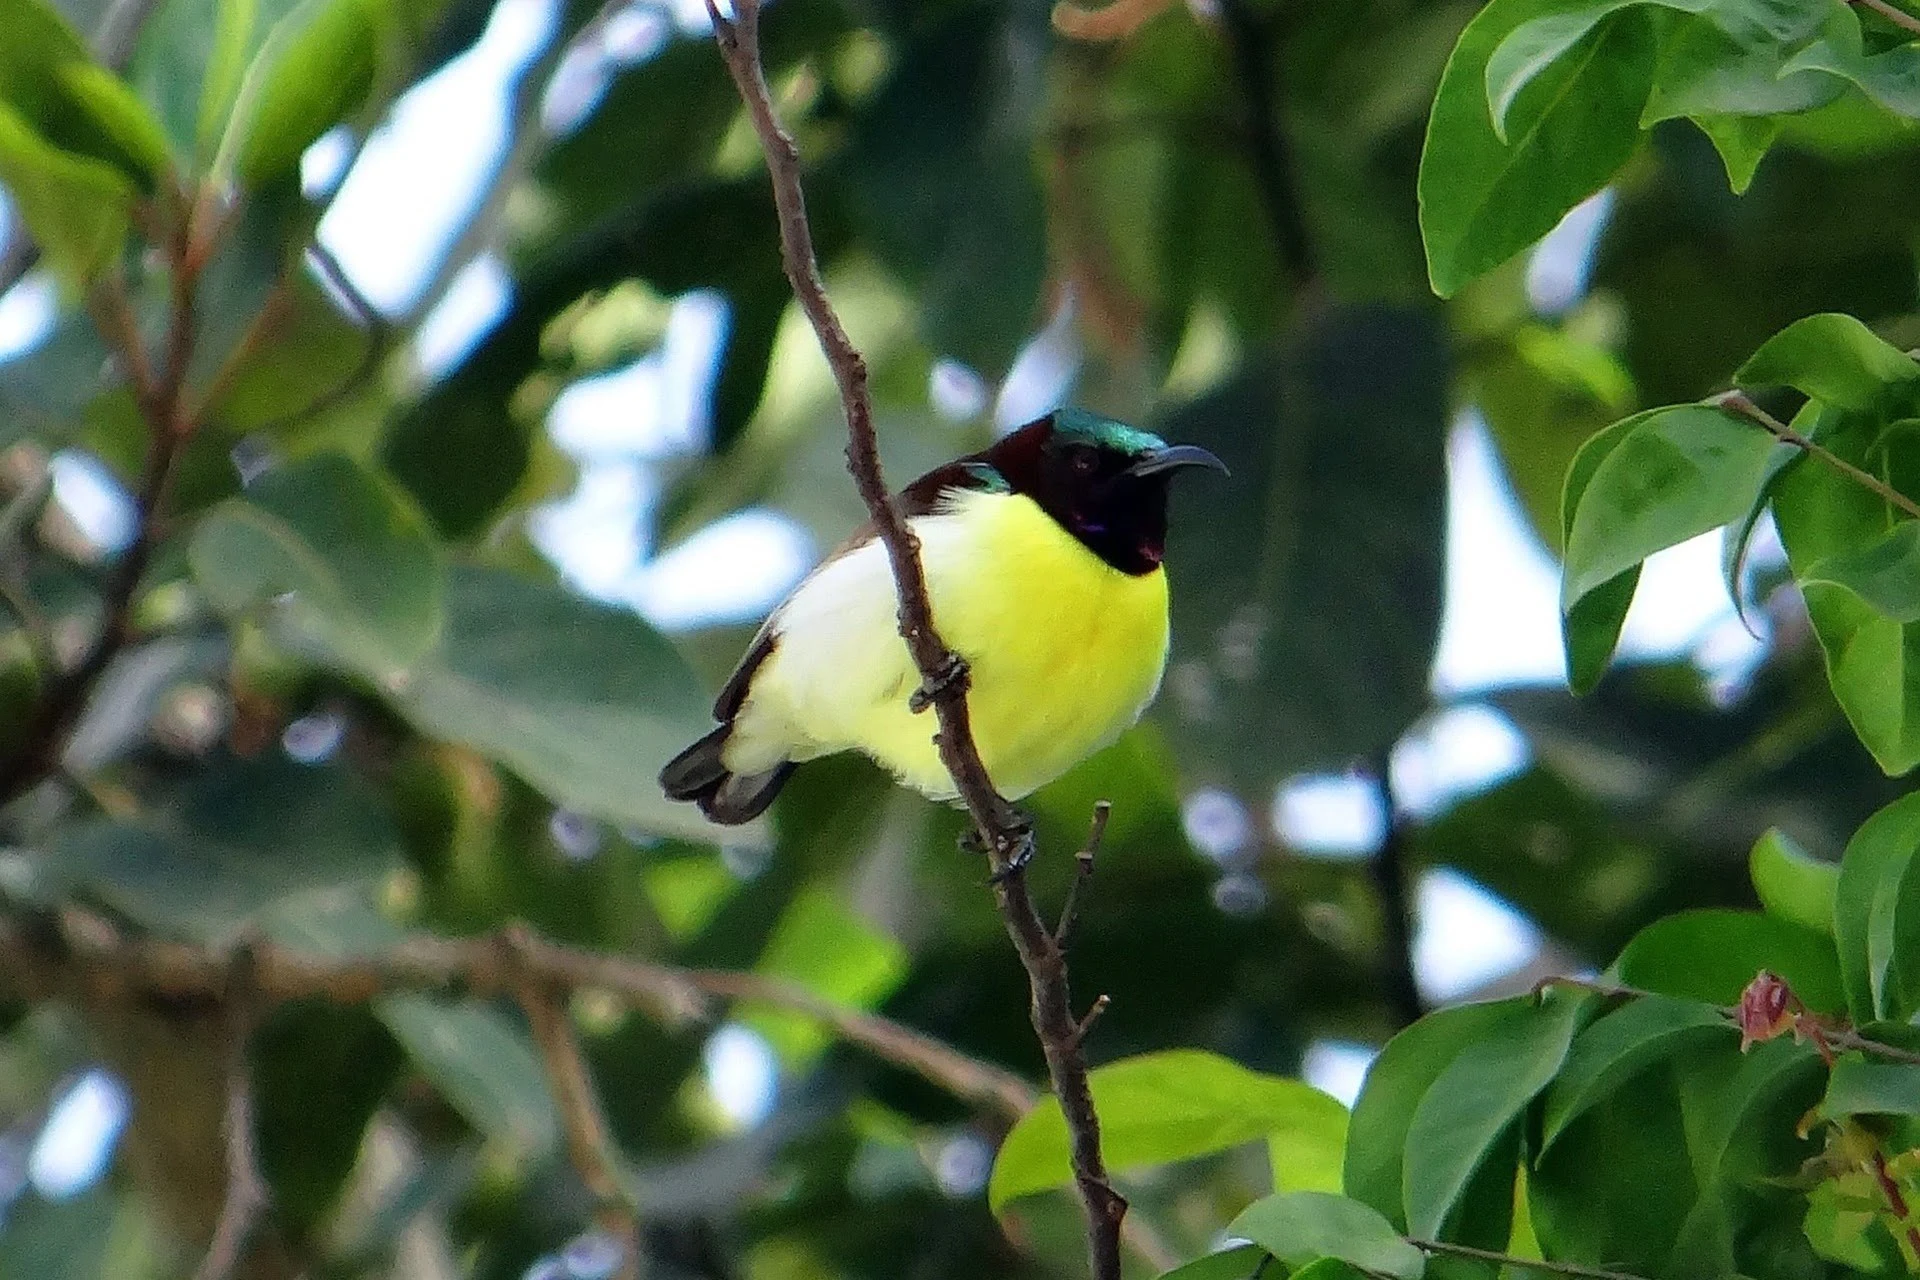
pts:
pixel 1175 456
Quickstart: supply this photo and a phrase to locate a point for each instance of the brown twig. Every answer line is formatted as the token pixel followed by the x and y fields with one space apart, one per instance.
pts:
pixel 1898 17
pixel 590 1143
pixel 246 1194
pixel 78 952
pixel 1450 1250
pixel 1738 402
pixel 1840 1038
pixel 1004 833
pixel 1083 871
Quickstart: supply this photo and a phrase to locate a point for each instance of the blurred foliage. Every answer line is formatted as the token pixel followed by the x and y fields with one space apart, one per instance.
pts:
pixel 353 704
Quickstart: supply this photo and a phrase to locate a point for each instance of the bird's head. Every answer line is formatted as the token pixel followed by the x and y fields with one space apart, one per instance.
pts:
pixel 1103 481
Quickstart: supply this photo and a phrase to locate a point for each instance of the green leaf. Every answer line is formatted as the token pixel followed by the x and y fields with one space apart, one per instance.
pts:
pixel 1873 661
pixel 1711 954
pixel 1300 1227
pixel 1161 1107
pixel 584 701
pixel 1590 628
pixel 76 208
pixel 1832 358
pixel 238 841
pixel 314 68
pixel 1890 77
pixel 824 946
pixel 1617 1047
pixel 1792 883
pixel 1742 1110
pixel 1876 913
pixel 1742 141
pixel 1396 1083
pixel 1228 1264
pixel 1884 574
pixel 1461 1121
pixel 1860 1085
pixel 1736 86
pixel 483 1063
pixel 39 42
pixel 1733 545
pixel 120 114
pixel 359 567
pixel 1677 473
pixel 1483 200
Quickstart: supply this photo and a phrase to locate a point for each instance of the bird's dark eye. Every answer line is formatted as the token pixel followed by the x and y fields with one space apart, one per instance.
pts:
pixel 1083 460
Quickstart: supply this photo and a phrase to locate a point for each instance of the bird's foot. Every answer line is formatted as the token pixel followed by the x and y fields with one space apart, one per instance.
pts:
pixel 1015 845
pixel 953 673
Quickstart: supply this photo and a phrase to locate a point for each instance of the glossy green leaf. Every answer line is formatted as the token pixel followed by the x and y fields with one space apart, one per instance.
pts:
pixel 1483 200
pixel 1734 81
pixel 313 69
pixel 76 208
pixel 1300 1227
pixel 1792 883
pixel 1228 1264
pixel 1876 913
pixel 1834 359
pixel 1161 1107
pixel 349 567
pixel 39 42
pixel 1743 1109
pixel 1873 661
pixel 1679 472
pixel 483 1063
pixel 1860 1085
pixel 120 114
pixel 1742 142
pixel 1590 627
pixel 236 842
pixel 1890 76
pixel 1734 543
pixel 821 944
pixel 1399 1078
pixel 1460 1122
pixel 1884 574
pixel 585 701
pixel 1712 954
pixel 1618 1046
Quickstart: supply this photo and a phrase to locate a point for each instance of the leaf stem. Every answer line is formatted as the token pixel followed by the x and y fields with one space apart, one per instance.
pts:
pixel 1898 17
pixel 1004 833
pixel 1738 402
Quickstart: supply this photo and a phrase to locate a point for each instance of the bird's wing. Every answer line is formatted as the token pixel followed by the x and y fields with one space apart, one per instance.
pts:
pixel 923 497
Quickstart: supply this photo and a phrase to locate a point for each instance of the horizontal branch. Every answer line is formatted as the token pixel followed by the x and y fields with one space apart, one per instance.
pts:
pixel 1739 403
pixel 74 952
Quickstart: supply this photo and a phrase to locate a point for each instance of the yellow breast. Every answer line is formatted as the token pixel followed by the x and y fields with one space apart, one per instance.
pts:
pixel 1065 651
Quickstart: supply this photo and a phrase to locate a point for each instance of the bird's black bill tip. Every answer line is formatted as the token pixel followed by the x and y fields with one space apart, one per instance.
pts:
pixel 1176 456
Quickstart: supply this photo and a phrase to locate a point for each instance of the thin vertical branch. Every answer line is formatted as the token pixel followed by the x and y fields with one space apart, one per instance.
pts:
pixel 1002 831
pixel 590 1145
pixel 246 1196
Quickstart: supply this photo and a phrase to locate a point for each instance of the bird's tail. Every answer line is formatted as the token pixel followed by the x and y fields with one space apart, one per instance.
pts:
pixel 700 775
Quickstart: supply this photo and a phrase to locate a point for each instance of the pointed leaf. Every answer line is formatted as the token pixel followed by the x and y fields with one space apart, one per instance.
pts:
pixel 1618 1046
pixel 1645 484
pixel 1483 200
pixel 1870 918
pixel 76 208
pixel 313 69
pixel 1301 1227
pixel 358 567
pixel 585 701
pixel 1463 1118
pixel 1792 883
pixel 233 845
pixel 1162 1107
pixel 1711 954
pixel 483 1063
pixel 1834 359
pixel 1860 1085
pixel 120 114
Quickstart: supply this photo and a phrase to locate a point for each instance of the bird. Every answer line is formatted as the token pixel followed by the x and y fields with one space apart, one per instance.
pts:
pixel 1042 555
